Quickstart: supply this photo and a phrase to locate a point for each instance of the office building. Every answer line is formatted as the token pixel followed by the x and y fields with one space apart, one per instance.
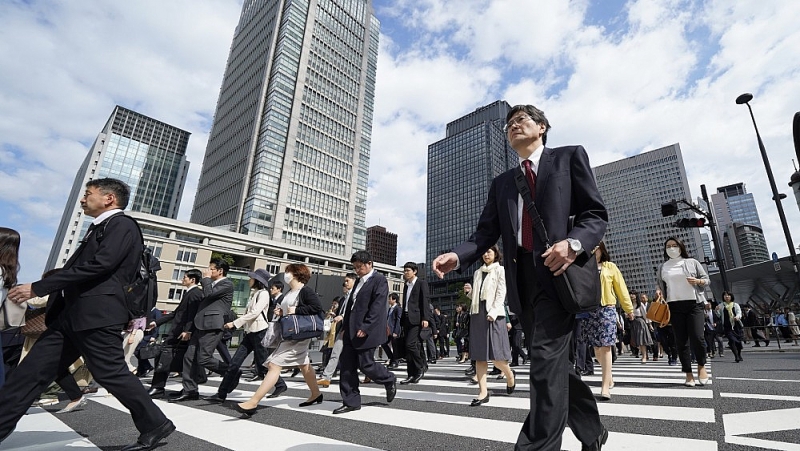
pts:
pixel 473 152
pixel 288 152
pixel 148 155
pixel 633 190
pixel 382 245
pixel 738 221
pixel 744 245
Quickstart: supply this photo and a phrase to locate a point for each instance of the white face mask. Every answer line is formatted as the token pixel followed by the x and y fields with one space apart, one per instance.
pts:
pixel 673 252
pixel 287 277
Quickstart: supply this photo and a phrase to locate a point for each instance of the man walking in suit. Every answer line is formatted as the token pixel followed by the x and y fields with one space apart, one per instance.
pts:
pixel 562 186
pixel 207 328
pixel 174 348
pixel 333 362
pixel 393 317
pixel 416 315
pixel 363 330
pixel 87 320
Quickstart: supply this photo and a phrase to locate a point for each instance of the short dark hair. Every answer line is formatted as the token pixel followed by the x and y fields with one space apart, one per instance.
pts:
pixel 412 266
pixel 534 113
pixel 681 246
pixel 361 257
pixel 394 296
pixel 498 256
pixel 299 271
pixel 733 299
pixel 118 188
pixel 601 248
pixel 195 275
pixel 351 276
pixel 220 264
pixel 276 284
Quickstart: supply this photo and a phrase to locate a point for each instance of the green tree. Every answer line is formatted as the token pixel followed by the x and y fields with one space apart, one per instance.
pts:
pixel 227 257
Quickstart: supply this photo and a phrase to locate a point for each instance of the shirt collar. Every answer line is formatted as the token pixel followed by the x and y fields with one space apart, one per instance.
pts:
pixel 534 158
pixel 105 215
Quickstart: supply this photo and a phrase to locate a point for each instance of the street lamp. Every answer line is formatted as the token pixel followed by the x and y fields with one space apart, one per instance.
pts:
pixel 745 99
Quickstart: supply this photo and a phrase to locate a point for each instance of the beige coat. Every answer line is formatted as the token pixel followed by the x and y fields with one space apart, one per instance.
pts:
pixel 253 320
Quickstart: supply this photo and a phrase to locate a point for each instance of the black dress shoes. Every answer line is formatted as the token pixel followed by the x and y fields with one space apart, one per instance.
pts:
pixel 216 397
pixel 156 393
pixel 598 444
pixel 391 391
pixel 407 380
pixel 476 402
pixel 277 392
pixel 188 396
pixel 149 440
pixel 510 389
pixel 345 409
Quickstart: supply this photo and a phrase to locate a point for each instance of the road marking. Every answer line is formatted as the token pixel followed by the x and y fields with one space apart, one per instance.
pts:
pixel 42 431
pixel 757 380
pixel 760 396
pixel 745 423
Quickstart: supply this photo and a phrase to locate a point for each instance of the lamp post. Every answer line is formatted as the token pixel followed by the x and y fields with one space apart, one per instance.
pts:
pixel 745 99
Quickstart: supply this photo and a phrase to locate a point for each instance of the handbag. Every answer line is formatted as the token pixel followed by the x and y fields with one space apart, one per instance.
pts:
pixel 301 327
pixel 659 312
pixel 34 323
pixel 577 288
pixel 326 325
pixel 149 351
pixel 12 315
pixel 272 336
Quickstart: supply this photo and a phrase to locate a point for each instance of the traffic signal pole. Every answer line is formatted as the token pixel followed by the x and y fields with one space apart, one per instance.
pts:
pixel 715 238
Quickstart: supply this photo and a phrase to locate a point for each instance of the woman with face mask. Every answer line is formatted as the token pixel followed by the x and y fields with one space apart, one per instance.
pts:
pixel 683 281
pixel 730 315
pixel 300 300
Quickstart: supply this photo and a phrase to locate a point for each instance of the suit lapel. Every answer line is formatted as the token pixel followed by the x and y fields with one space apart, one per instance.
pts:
pixel 543 173
pixel 512 197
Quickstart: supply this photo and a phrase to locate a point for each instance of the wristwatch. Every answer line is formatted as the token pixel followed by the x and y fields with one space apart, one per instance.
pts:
pixel 575 245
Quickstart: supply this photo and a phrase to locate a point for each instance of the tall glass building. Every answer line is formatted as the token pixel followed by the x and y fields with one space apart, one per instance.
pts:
pixel 633 190
pixel 148 155
pixel 288 153
pixel 473 152
pixel 739 226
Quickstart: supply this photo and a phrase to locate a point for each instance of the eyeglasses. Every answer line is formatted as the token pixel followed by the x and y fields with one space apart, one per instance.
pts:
pixel 516 121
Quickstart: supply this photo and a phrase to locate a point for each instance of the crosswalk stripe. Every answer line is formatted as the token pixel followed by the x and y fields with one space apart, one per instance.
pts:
pixel 41 431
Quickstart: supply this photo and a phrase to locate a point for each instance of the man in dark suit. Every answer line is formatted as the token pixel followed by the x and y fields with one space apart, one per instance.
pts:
pixel 177 340
pixel 207 328
pixel 88 318
pixel 416 315
pixel 364 329
pixel 563 185
pixel 393 316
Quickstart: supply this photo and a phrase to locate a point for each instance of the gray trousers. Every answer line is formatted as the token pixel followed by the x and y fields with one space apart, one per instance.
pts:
pixel 333 362
pixel 201 353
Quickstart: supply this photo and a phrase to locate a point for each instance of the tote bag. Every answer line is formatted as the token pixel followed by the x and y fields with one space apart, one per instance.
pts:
pixel 659 312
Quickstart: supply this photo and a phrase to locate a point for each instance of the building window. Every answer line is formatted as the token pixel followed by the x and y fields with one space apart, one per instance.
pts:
pixel 186 255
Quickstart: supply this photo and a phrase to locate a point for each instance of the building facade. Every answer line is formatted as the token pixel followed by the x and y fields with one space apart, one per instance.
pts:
pixel 738 222
pixel 633 190
pixel 181 246
pixel 148 155
pixel 473 152
pixel 288 153
pixel 382 245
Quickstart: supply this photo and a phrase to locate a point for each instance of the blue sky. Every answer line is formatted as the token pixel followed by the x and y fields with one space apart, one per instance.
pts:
pixel 619 77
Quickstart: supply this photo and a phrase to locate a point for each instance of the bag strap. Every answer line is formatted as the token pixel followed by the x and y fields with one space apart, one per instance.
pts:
pixel 525 192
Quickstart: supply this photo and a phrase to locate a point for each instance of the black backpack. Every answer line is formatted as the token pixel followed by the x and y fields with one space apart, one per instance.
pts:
pixel 141 293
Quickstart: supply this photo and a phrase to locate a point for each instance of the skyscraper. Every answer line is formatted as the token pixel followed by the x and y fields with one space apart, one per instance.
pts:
pixel 288 153
pixel 739 226
pixel 633 190
pixel 473 152
pixel 382 245
pixel 148 155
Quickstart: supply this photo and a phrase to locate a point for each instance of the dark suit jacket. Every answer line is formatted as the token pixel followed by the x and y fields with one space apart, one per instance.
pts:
pixel 393 316
pixel 183 314
pixel 369 313
pixel 308 302
pixel 272 304
pixel 418 303
pixel 565 186
pixel 215 305
pixel 93 277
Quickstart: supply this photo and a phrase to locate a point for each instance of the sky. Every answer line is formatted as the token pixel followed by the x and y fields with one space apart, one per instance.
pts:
pixel 619 77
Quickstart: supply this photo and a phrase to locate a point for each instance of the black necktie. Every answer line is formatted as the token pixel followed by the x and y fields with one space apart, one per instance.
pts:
pixel 527 221
pixel 89 231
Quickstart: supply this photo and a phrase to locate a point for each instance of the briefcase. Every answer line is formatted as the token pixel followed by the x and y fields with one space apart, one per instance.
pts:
pixel 149 351
pixel 578 288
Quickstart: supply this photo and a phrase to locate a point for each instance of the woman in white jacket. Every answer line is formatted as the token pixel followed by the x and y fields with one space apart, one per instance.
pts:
pixel 488 335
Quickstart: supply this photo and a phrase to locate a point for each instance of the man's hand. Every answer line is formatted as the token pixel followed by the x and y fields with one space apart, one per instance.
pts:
pixel 151 326
pixel 361 334
pixel 445 263
pixel 424 324
pixel 185 336
pixel 229 326
pixel 559 257
pixel 508 326
pixel 21 293
pixel 206 273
